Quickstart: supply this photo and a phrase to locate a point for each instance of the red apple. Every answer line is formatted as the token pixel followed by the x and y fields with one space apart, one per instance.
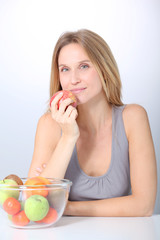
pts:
pixel 66 94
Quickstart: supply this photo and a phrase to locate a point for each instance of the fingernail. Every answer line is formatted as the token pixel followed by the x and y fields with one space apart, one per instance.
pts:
pixel 37 174
pixel 39 169
pixel 44 165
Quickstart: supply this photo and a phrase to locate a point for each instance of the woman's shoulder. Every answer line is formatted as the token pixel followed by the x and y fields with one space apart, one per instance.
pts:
pixel 134 116
pixel 134 110
pixel 48 126
pixel 46 117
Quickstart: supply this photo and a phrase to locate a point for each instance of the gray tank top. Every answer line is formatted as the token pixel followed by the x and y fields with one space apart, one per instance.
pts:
pixel 116 181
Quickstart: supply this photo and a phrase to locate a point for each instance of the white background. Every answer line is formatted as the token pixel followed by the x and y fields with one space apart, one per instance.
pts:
pixel 29 30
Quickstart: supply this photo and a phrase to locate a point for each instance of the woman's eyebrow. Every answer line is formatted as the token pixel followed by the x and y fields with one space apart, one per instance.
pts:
pixel 84 61
pixel 62 64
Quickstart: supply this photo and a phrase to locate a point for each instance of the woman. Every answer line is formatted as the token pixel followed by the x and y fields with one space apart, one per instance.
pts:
pixel 103 146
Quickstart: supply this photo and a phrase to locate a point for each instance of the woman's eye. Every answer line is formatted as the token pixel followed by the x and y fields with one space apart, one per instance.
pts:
pixel 64 69
pixel 84 66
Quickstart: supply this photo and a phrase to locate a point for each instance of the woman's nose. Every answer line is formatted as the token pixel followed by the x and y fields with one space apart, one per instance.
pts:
pixel 75 78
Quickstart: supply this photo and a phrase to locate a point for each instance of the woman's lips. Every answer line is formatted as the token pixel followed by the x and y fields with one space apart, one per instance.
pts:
pixel 77 90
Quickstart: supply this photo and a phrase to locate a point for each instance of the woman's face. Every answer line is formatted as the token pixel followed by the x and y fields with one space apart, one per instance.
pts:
pixel 78 74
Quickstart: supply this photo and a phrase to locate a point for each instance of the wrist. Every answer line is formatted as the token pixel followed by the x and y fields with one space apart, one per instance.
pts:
pixel 69 210
pixel 70 139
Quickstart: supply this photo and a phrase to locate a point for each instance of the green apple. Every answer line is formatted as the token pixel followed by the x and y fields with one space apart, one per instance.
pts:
pixel 36 207
pixel 6 193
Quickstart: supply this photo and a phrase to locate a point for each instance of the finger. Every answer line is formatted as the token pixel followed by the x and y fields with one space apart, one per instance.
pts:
pixel 43 165
pixel 37 174
pixel 64 104
pixel 74 114
pixel 68 111
pixel 71 114
pixel 54 103
pixel 38 169
pixel 64 117
pixel 60 115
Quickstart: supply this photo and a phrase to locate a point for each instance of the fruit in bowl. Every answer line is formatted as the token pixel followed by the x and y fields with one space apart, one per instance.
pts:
pixel 40 182
pixel 36 207
pixel 15 178
pixel 4 194
pixel 37 202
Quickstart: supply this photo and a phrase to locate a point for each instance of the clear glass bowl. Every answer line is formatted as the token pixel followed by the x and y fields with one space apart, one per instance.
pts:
pixel 34 206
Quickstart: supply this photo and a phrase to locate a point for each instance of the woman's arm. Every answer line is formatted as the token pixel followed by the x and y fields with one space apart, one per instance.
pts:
pixel 142 171
pixel 50 149
pixel 46 138
pixel 57 133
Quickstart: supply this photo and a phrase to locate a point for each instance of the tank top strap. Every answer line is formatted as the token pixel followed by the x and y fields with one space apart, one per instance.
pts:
pixel 118 124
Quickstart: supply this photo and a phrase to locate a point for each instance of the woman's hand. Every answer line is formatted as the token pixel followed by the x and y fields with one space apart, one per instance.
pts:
pixel 67 209
pixel 40 169
pixel 65 116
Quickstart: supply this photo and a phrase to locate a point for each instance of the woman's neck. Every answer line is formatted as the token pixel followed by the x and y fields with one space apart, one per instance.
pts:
pixel 93 116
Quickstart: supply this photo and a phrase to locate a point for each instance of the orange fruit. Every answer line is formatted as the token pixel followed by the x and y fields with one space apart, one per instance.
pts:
pixel 51 216
pixel 38 190
pixel 20 219
pixel 11 206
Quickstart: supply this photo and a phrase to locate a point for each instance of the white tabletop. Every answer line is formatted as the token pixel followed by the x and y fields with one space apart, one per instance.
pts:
pixel 94 228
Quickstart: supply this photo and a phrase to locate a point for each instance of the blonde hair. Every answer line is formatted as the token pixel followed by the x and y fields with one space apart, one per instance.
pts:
pixel 100 55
